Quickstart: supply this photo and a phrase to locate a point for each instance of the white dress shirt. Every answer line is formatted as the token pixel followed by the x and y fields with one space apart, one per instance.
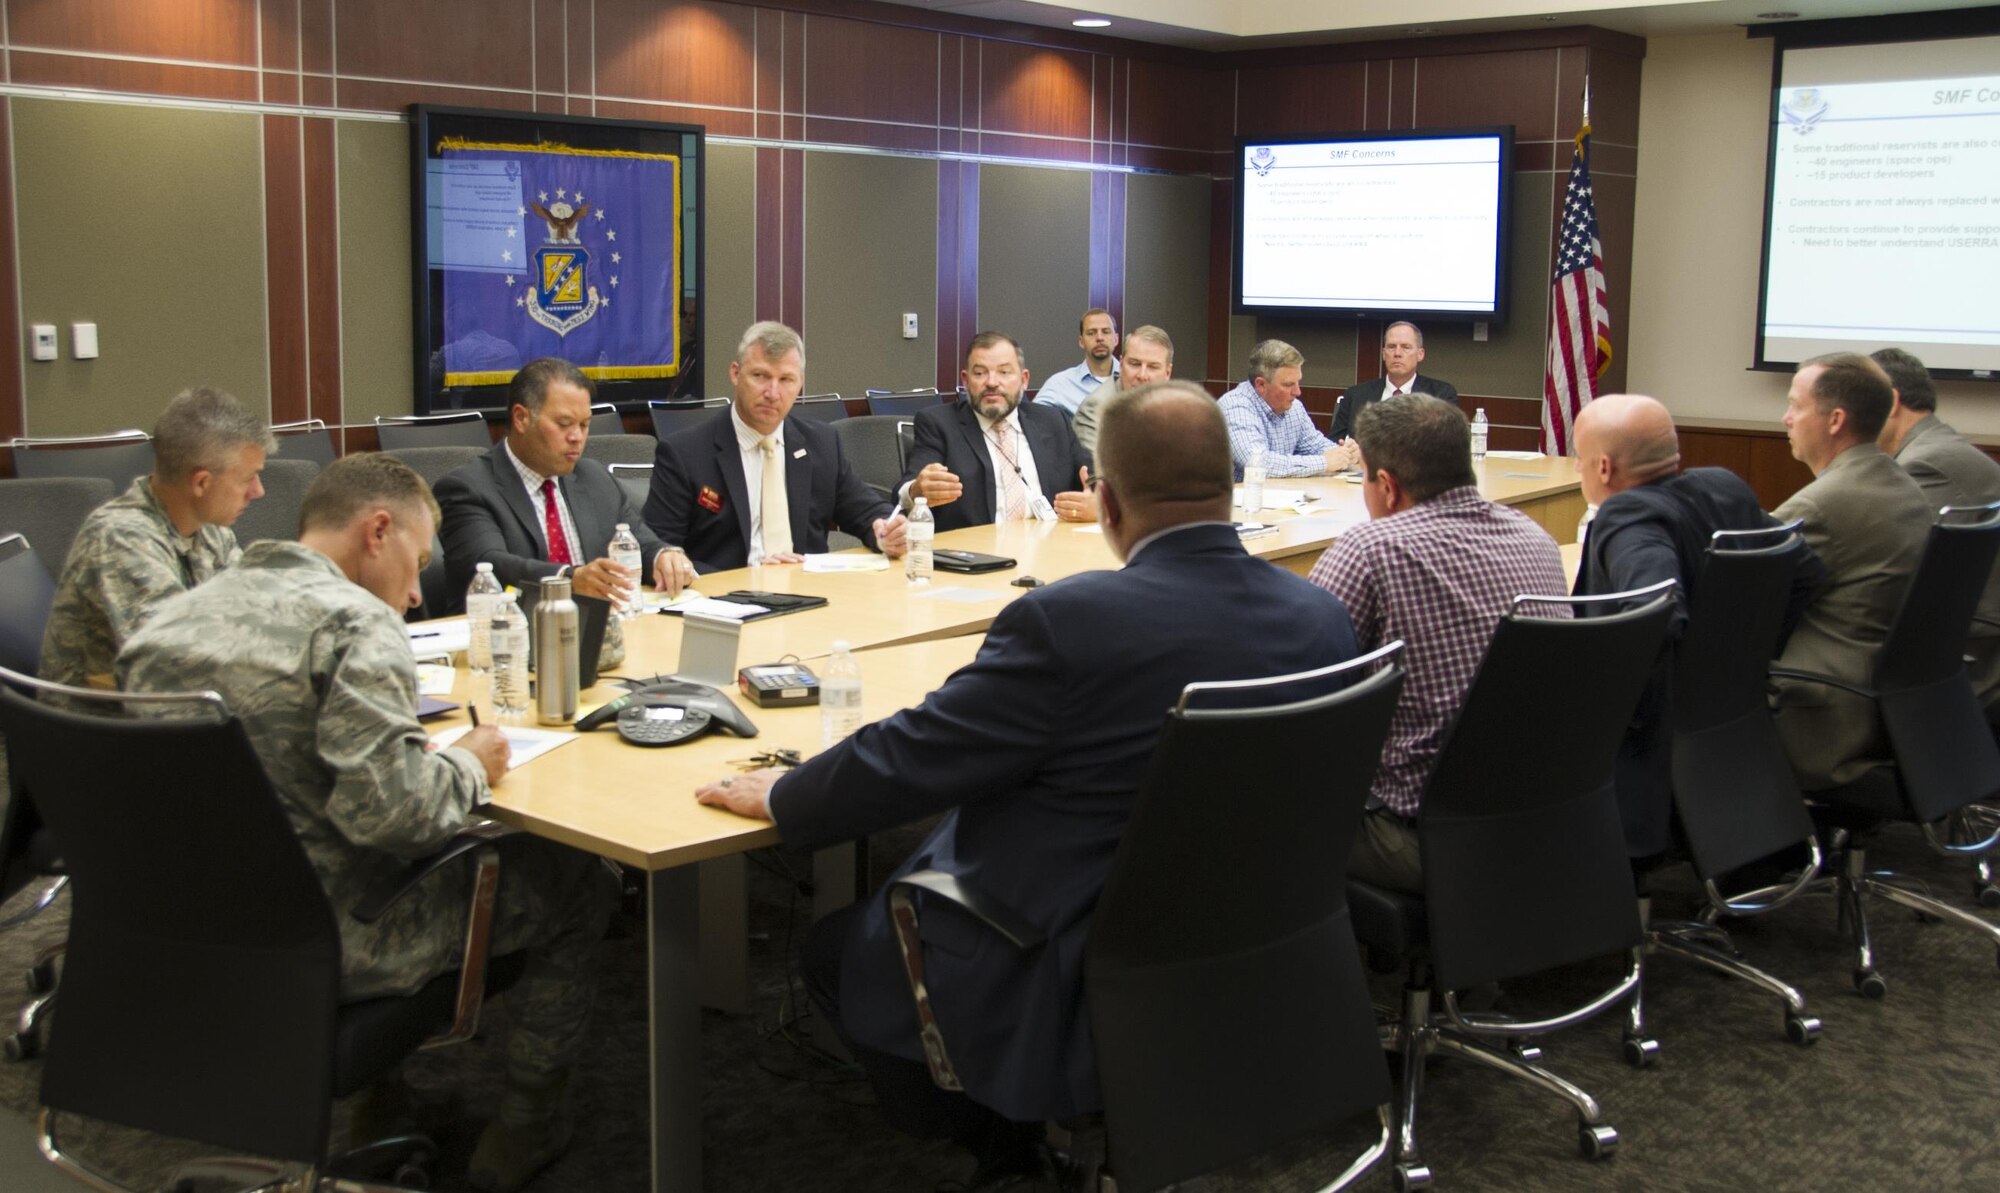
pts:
pixel 1023 456
pixel 533 482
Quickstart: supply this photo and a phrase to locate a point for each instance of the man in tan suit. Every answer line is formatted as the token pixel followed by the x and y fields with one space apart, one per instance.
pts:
pixel 1866 519
pixel 1951 471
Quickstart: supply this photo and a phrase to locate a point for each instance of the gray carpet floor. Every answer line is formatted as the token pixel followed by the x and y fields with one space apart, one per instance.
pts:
pixel 1898 1094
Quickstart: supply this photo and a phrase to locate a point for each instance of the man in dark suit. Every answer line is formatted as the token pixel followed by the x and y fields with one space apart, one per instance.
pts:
pixel 992 459
pixel 1033 752
pixel 533 506
pixel 1402 352
pixel 1653 523
pixel 713 483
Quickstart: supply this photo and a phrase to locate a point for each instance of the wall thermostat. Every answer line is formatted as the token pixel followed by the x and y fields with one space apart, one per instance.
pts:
pixel 778 685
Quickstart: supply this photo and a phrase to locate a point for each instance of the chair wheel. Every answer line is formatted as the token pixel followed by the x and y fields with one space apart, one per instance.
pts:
pixel 1597 1141
pixel 21 1046
pixel 1870 984
pixel 1412 1176
pixel 1641 1053
pixel 1988 895
pixel 1802 1029
pixel 42 976
pixel 412 1175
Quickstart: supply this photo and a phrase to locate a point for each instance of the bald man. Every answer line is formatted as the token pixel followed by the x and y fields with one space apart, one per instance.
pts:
pixel 1653 523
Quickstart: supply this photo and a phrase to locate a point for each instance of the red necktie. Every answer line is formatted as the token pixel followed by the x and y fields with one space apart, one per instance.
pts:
pixel 558 544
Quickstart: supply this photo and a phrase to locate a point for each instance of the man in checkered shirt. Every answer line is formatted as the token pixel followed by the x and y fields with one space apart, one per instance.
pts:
pixel 1437 566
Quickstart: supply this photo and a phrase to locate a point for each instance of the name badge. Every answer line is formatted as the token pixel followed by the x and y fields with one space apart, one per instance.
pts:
pixel 1039 506
pixel 799 454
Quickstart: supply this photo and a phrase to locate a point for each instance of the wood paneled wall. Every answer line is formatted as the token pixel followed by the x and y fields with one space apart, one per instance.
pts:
pixel 785 75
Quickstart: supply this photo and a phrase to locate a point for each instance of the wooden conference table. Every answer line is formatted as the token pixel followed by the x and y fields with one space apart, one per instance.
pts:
pixel 636 806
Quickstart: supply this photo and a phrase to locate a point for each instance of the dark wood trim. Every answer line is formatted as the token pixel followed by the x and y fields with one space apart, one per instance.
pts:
pixel 1433 47
pixel 13 382
pixel 284 268
pixel 1901 26
pixel 322 265
pixel 770 233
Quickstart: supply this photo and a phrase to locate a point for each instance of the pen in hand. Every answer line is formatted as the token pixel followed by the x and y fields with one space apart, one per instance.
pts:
pixel 474 710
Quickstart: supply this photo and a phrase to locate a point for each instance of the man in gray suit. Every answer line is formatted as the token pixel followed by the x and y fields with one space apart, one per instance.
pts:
pixel 1866 520
pixel 1951 471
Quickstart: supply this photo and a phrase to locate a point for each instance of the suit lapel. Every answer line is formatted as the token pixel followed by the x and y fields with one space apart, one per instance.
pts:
pixel 514 494
pixel 798 484
pixel 729 462
pixel 977 482
pixel 583 517
pixel 1050 462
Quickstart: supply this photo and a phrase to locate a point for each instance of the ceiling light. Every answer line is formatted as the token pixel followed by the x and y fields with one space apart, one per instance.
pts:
pixel 1090 22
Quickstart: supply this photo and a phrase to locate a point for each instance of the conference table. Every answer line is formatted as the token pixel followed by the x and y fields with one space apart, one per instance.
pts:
pixel 636 805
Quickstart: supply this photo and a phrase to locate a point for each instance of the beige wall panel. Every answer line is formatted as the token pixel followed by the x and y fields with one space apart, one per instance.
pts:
pixel 1327 345
pixel 149 223
pixel 1034 260
pixel 1166 263
pixel 870 255
pixel 731 282
pixel 374 172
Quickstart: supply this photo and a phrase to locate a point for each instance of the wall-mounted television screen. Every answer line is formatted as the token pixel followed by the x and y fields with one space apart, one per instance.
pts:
pixel 1374 224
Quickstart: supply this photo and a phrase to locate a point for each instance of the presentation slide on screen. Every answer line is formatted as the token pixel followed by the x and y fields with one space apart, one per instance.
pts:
pixel 1372 225
pixel 1885 203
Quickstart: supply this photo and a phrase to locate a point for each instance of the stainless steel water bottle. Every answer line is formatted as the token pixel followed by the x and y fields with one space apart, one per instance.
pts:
pixel 556 662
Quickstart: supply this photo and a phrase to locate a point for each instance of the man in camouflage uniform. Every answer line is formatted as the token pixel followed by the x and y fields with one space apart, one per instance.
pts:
pixel 165 534
pixel 305 642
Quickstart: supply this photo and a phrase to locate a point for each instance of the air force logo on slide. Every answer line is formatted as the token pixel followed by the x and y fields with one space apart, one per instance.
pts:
pixel 1262 159
pixel 562 298
pixel 1803 109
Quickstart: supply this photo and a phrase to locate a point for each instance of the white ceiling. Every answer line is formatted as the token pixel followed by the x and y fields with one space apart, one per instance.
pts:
pixel 1254 24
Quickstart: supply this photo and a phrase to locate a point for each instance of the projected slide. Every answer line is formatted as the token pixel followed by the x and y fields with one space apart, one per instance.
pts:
pixel 1373 225
pixel 1884 224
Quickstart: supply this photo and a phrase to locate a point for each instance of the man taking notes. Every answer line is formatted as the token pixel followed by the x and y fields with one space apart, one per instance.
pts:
pixel 1034 752
pixel 992 459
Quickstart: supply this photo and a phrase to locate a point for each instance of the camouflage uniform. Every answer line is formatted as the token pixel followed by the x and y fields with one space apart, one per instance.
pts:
pixel 126 559
pixel 320 672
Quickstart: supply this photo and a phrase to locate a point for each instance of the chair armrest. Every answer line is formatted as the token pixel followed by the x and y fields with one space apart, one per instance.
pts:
pixel 983 907
pixel 1824 680
pixel 474 836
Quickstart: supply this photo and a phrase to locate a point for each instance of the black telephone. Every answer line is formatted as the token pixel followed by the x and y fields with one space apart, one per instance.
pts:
pixel 669 713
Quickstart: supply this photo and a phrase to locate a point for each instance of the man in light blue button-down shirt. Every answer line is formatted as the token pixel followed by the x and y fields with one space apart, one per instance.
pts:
pixel 1097 335
pixel 1266 409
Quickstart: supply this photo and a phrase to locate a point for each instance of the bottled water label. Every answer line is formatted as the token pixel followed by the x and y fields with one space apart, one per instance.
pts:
pixel 1253 488
pixel 510 667
pixel 839 708
pixel 918 559
pixel 479 615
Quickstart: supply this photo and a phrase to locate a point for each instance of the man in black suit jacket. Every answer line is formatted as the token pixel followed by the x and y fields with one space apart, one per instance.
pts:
pixel 1402 352
pixel 1034 752
pixel 1653 523
pixel 496 508
pixel 710 482
pixel 969 476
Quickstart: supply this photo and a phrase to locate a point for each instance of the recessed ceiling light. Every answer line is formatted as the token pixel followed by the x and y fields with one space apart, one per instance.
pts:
pixel 1777 16
pixel 1090 22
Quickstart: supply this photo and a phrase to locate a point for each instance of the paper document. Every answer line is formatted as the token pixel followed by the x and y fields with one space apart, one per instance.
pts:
pixel 525 742
pixel 732 610
pixel 434 679
pixel 430 639
pixel 1089 528
pixel 845 562
pixel 656 601
pixel 1514 455
pixel 1278 499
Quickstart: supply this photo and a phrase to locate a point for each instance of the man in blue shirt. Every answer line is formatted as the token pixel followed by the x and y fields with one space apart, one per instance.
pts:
pixel 1097 335
pixel 1266 409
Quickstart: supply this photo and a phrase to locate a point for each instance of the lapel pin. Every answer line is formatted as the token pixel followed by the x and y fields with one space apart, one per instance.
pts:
pixel 799 454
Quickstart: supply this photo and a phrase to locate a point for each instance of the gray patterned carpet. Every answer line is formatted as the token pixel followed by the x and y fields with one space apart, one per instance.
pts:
pixel 1900 1094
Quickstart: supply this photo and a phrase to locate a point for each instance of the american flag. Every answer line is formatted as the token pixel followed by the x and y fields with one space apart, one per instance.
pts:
pixel 1579 326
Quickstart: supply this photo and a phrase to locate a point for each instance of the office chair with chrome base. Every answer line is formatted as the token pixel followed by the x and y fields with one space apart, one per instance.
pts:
pixel 200 994
pixel 1945 758
pixel 28 853
pixel 120 457
pixel 1205 914
pixel 1736 801
pixel 1523 851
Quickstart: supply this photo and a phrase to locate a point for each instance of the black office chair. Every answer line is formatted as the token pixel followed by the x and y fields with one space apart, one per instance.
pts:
pixel 50 510
pixel 1205 916
pixel 1523 850
pixel 200 994
pixel 1735 798
pixel 462 428
pixel 605 420
pixel 621 449
pixel 28 854
pixel 635 479
pixel 906 402
pixel 434 463
pixel 307 439
pixel 275 515
pixel 826 408
pixel 1946 760
pixel 120 457
pixel 678 415
pixel 874 447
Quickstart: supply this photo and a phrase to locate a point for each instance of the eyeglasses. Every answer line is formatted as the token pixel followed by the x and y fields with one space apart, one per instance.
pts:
pixel 1091 483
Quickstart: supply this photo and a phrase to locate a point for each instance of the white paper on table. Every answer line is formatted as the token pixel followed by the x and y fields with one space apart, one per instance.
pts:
pixel 433 638
pixel 845 562
pixel 434 679
pixel 958 594
pixel 524 743
pixel 1330 520
pixel 732 610
pixel 656 601
pixel 1089 528
pixel 1276 499
pixel 1514 456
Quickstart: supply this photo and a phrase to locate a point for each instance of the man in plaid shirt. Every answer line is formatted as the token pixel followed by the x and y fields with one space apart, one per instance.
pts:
pixel 1437 566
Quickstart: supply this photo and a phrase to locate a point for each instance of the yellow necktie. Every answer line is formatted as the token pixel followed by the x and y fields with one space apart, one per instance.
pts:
pixel 776 510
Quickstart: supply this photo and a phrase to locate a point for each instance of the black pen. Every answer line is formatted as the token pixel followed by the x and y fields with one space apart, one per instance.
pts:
pixel 474 710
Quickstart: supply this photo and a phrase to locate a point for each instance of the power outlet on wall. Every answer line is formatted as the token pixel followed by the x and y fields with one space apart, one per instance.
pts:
pixel 909 325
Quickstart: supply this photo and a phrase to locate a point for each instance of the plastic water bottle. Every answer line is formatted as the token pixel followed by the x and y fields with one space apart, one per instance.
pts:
pixel 1253 482
pixel 625 553
pixel 917 559
pixel 1479 426
pixel 479 616
pixel 840 695
pixel 510 659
